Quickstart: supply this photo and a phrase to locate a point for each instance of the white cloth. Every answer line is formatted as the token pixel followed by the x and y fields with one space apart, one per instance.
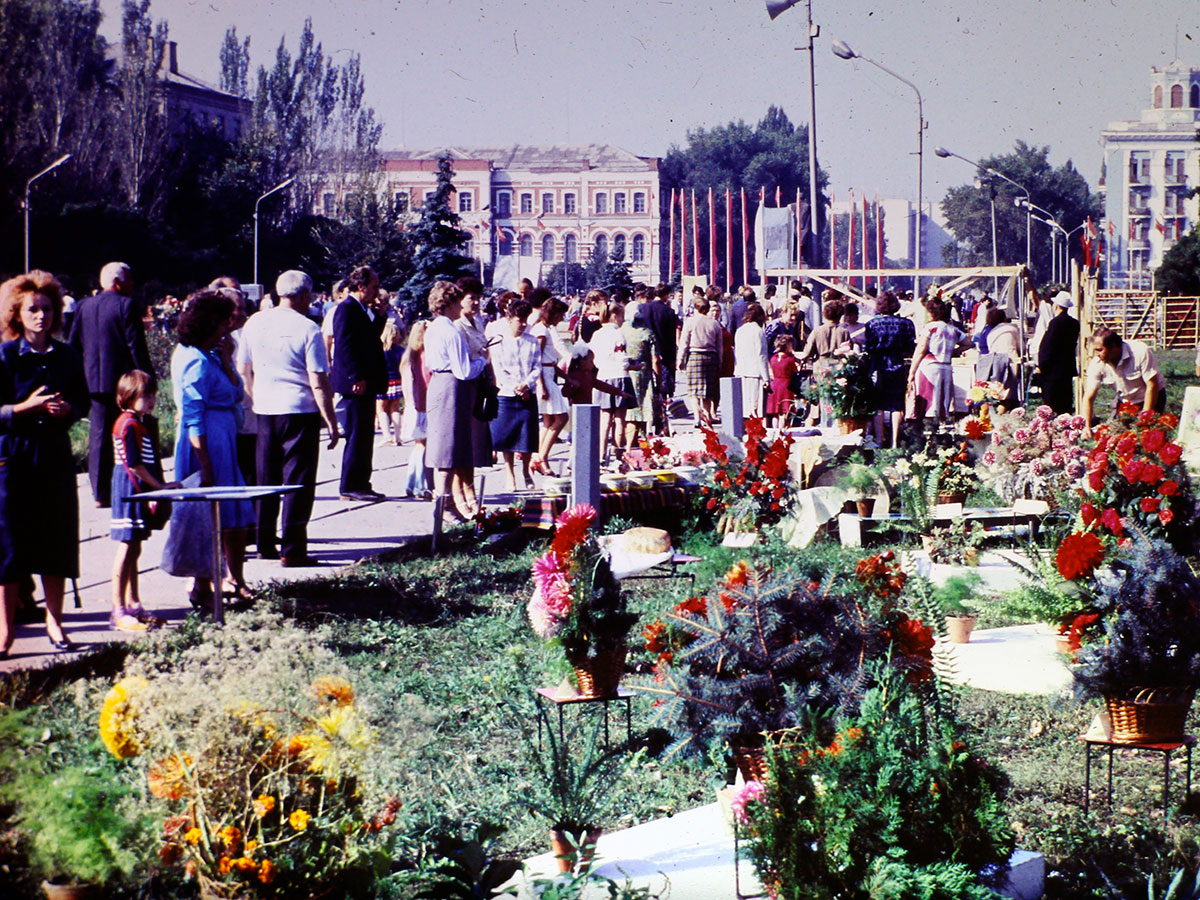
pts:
pixel 1003 339
pixel 281 348
pixel 446 351
pixel 554 349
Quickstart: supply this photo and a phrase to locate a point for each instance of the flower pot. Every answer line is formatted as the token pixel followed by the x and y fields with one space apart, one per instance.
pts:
pixel 851 424
pixel 600 675
pixel 958 628
pixel 55 891
pixel 928 543
pixel 574 850
pixel 865 507
pixel 970 556
pixel 1149 715
pixel 952 497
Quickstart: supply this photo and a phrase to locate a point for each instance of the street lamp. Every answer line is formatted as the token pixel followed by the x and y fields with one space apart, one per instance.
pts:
pixel 278 187
pixel 842 50
pixel 28 184
pixel 1067 248
pixel 944 153
pixel 985 181
pixel 774 9
pixel 1053 223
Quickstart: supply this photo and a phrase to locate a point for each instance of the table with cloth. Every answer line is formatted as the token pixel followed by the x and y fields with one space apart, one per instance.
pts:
pixel 540 512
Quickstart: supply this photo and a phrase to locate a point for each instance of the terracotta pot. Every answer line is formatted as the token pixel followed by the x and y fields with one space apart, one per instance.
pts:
pixel 600 675
pixel 865 507
pixel 958 628
pixel 571 854
pixel 1062 643
pixel 849 425
pixel 54 891
pixel 952 497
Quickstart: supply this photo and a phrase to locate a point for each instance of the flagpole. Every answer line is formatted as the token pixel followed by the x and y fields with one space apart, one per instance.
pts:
pixel 864 242
pixel 878 245
pixel 728 239
pixel 850 245
pixel 695 237
pixel 745 236
pixel 712 240
pixel 683 257
pixel 671 242
pixel 799 233
pixel 833 260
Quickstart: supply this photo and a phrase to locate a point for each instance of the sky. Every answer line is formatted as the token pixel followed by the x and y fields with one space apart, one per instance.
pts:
pixel 640 75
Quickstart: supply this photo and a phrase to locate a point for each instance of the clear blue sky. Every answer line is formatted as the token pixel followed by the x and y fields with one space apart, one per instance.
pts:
pixel 641 74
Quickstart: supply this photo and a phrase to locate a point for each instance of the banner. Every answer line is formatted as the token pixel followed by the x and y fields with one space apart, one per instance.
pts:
pixel 728 239
pixel 671 241
pixel 773 239
pixel 745 242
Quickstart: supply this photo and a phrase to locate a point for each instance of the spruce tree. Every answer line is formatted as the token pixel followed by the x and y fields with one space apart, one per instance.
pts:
pixel 437 241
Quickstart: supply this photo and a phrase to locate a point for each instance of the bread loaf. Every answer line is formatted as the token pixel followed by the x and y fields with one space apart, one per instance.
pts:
pixel 646 540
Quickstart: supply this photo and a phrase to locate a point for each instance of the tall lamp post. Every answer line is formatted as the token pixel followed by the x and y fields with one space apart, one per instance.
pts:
pixel 29 184
pixel 1053 223
pixel 774 9
pixel 842 50
pixel 988 170
pixel 985 182
pixel 278 187
pixel 1067 249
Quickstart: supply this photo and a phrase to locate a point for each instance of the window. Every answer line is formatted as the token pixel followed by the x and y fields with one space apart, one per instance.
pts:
pixel 1176 160
pixel 618 203
pixel 1158 96
pixel 327 204
pixel 1194 98
pixel 1176 96
pixel 639 202
pixel 601 204
pixel 1138 260
pixel 569 204
pixel 1138 203
pixel 526 204
pixel 503 203
pixel 526 245
pixel 639 248
pixel 468 249
pixel 570 248
pixel 618 250
pixel 465 201
pixel 547 248
pixel 504 242
pixel 547 203
pixel 402 202
pixel 1139 168
pixel 601 246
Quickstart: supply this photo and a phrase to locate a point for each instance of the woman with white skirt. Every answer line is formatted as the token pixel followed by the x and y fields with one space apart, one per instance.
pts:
pixel 414 384
pixel 552 405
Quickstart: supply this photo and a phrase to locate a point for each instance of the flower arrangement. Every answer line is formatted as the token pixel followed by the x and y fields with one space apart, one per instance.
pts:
pixel 663 453
pixel 1037 456
pixel 498 521
pixel 924 478
pixel 986 392
pixel 755 491
pixel 1134 476
pixel 846 389
pixel 576 602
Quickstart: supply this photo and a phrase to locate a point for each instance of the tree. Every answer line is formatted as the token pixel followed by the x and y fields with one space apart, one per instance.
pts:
pixel 1062 192
pixel 567 278
pixel 1180 269
pixel 235 64
pixel 142 135
pixel 437 240
pixel 771 155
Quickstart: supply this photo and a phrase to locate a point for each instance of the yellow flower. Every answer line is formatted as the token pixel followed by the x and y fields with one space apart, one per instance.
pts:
pixel 118 721
pixel 266 872
pixel 299 819
pixel 330 688
pixel 324 747
pixel 244 864
pixel 193 836
pixel 263 805
pixel 230 834
pixel 251 846
pixel 224 865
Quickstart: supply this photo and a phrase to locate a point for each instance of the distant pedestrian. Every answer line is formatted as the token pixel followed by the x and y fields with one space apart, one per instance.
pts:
pixel 388 403
pixel 1058 356
pixel 414 423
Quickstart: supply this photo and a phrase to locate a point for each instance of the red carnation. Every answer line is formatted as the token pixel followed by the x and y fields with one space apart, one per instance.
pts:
pixel 1153 440
pixel 1089 513
pixel 1126 446
pixel 1149 504
pixel 1153 473
pixel 1132 470
pixel 1169 488
pixel 1146 416
pixel 1079 554
pixel 1166 516
pixel 1170 454
pixel 1111 520
pixel 1096 482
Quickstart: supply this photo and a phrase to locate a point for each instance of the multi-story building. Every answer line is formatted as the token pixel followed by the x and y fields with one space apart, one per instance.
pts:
pixel 529 207
pixel 1148 165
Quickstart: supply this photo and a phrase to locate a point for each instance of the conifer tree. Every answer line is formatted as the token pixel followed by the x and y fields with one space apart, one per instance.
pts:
pixel 437 241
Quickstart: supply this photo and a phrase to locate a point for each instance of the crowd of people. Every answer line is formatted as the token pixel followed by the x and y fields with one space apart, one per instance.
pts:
pixel 474 379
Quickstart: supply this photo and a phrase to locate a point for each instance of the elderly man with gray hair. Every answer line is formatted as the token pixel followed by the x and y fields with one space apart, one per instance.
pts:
pixel 285 368
pixel 108 335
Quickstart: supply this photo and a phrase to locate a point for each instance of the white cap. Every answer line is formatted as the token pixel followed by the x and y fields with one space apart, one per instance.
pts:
pixel 1063 299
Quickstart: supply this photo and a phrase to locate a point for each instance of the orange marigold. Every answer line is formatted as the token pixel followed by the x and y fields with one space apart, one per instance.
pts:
pixel 299 819
pixel 331 689
pixel 263 805
pixel 266 872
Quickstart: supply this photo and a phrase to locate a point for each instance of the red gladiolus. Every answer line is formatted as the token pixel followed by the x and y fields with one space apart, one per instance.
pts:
pixel 1166 516
pixel 1111 520
pixel 775 506
pixel 1149 504
pixel 1169 488
pixel 1153 474
pixel 1096 482
pixel 755 430
pixel 1078 625
pixel 1153 440
pixel 1170 454
pixel 1079 554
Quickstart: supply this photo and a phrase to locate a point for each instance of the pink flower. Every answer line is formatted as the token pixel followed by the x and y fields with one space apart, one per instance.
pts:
pixel 1063 421
pixel 1077 422
pixel 989 457
pixel 1035 466
pixel 1057 458
pixel 1022 436
pixel 545 624
pixel 1076 468
pixel 1019 413
pixel 551 584
pixel 1016 457
pixel 748 792
pixel 1045 412
pixel 580 511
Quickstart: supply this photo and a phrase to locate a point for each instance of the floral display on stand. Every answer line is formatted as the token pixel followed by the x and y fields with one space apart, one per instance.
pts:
pixel 936 474
pixel 754 492
pixel 1038 456
pixel 846 390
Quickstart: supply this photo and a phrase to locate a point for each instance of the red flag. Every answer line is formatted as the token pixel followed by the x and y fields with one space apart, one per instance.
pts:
pixel 671 242
pixel 712 241
pixel 503 234
pixel 1085 241
pixel 799 233
pixel 864 243
pixel 695 237
pixel 540 224
pixel 1158 223
pixel 833 260
pixel 683 266
pixel 1112 228
pixel 745 242
pixel 728 238
pixel 850 243
pixel 878 244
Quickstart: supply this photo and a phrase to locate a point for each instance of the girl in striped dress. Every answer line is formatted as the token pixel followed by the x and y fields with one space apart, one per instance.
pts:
pixel 136 469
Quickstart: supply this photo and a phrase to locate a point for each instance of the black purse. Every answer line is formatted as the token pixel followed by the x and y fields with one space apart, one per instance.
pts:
pixel 487 399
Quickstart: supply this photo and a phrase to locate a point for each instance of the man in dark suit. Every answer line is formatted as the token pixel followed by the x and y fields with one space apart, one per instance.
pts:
pixel 108 334
pixel 359 375
pixel 1057 355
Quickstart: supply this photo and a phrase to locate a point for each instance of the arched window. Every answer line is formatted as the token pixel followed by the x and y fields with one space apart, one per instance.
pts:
pixel 570 248
pixel 601 248
pixel 1158 96
pixel 1194 99
pixel 618 250
pixel 526 245
pixel 1177 96
pixel 547 248
pixel 639 248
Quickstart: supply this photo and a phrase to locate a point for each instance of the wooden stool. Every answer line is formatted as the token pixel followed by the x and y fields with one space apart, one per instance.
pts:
pixel 1166 749
pixel 560 702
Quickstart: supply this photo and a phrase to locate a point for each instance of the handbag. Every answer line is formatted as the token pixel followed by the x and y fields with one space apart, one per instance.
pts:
pixel 487 399
pixel 796 384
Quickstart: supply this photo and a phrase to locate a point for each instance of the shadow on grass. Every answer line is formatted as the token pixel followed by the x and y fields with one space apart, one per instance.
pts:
pixel 29 686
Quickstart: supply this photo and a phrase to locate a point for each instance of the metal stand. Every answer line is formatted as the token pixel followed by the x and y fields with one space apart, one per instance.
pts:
pixel 551 694
pixel 1166 749
pixel 737 866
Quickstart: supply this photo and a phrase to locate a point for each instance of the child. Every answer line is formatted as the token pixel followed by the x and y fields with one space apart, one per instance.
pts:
pixel 136 469
pixel 414 378
pixel 389 403
pixel 783 367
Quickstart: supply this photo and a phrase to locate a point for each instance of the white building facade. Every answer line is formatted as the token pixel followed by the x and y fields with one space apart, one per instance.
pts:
pixel 1148 165
pixel 530 207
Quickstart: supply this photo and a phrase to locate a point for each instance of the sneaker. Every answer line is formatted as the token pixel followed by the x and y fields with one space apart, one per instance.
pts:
pixel 125 621
pixel 139 613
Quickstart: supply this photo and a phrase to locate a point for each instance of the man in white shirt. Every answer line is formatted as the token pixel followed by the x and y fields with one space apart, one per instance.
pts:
pixel 1127 365
pixel 285 368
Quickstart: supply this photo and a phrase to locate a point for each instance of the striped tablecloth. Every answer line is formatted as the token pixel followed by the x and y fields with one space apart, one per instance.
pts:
pixel 540 512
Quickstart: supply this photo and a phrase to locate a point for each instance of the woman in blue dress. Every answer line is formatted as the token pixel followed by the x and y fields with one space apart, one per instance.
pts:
pixel 42 391
pixel 209 394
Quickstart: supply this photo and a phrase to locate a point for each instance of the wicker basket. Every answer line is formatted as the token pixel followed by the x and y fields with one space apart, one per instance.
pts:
pixel 1149 715
pixel 599 675
pixel 750 752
